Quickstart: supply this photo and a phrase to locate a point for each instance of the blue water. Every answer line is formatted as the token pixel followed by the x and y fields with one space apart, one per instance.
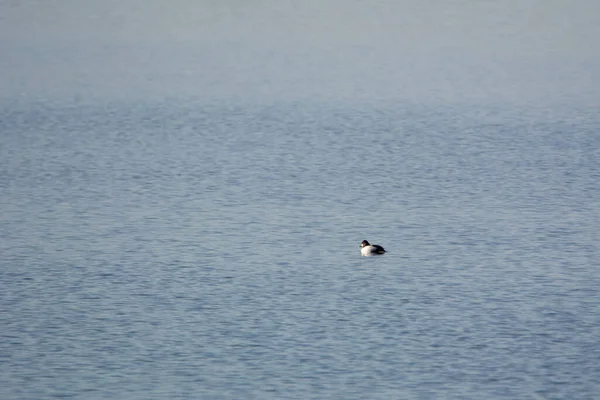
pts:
pixel 192 249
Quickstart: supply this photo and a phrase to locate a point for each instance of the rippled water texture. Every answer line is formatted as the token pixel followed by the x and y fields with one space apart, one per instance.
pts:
pixel 184 187
pixel 194 251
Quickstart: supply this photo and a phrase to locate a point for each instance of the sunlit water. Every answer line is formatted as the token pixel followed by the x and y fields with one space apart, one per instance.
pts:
pixel 211 250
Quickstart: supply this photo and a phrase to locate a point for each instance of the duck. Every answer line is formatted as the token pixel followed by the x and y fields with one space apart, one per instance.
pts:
pixel 368 249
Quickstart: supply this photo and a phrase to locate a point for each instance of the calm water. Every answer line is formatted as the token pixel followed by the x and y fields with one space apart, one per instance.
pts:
pixel 188 249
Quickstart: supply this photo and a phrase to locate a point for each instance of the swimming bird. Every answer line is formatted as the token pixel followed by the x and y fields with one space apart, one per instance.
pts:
pixel 367 249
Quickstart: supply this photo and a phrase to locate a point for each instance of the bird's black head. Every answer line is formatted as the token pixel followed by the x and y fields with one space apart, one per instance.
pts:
pixel 364 243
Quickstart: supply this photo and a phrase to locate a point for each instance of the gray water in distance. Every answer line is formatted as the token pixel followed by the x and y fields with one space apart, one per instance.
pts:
pixel 184 187
pixel 193 251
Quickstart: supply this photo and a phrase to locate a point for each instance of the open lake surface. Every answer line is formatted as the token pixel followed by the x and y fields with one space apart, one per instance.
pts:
pixel 212 251
pixel 184 187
